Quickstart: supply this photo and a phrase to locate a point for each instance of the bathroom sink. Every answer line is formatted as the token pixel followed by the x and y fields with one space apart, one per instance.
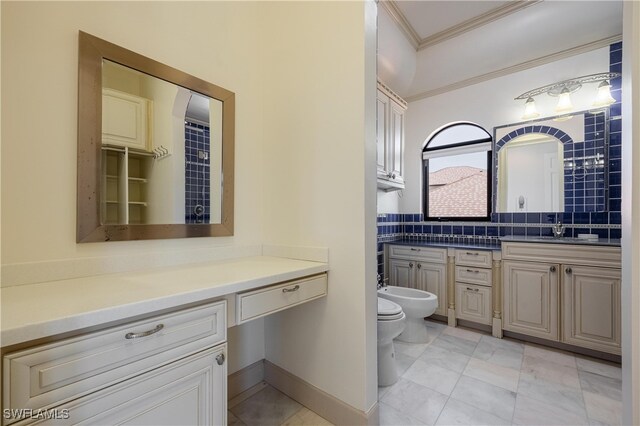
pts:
pixel 560 239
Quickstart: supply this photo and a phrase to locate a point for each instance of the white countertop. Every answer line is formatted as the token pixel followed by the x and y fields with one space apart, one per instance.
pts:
pixel 45 309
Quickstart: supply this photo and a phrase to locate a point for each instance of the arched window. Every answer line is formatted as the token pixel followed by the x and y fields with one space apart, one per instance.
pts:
pixel 456 161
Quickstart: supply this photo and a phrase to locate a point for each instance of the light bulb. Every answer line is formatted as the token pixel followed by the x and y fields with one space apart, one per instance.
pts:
pixel 530 110
pixel 564 102
pixel 604 98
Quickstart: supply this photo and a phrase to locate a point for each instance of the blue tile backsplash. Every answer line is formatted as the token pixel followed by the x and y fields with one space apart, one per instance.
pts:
pixel 197 173
pixel 587 193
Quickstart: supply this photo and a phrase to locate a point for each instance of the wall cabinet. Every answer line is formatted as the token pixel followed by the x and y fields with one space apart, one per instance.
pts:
pixel 473 285
pixel 563 293
pixel 168 369
pixel 126 120
pixel 390 139
pixel 423 268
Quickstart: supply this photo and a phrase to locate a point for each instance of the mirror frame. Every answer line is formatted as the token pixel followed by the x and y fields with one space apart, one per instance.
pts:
pixel 92 51
pixel 533 123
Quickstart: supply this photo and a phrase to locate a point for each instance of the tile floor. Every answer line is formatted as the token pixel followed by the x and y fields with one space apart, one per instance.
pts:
pixel 465 377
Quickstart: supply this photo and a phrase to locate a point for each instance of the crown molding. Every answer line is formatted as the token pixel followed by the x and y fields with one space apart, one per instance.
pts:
pixel 476 22
pixel 401 22
pixel 516 68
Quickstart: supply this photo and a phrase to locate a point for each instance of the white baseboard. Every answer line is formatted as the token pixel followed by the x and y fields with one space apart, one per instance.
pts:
pixel 245 380
pixel 318 401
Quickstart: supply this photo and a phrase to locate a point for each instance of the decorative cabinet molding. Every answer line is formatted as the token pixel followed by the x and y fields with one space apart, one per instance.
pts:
pixel 126 120
pixel 420 267
pixel 142 371
pixel 530 302
pixel 591 307
pixel 473 285
pixel 390 139
pixel 568 293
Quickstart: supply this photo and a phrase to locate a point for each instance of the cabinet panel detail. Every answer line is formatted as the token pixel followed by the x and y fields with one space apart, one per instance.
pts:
pixel 265 301
pixel 531 299
pixel 52 373
pixel 574 254
pixel 475 258
pixel 432 277
pixel 473 303
pixel 479 276
pixel 425 254
pixel 591 307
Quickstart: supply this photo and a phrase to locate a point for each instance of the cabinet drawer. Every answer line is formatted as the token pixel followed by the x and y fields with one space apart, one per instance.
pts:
pixel 53 373
pixel 258 303
pixel 478 258
pixel 479 276
pixel 427 254
pixel 473 303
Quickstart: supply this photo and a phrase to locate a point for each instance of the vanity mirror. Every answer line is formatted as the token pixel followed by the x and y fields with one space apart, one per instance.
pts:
pixel 155 149
pixel 557 164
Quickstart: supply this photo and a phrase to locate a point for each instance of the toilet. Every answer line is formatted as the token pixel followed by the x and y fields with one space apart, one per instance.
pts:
pixel 391 322
pixel 416 304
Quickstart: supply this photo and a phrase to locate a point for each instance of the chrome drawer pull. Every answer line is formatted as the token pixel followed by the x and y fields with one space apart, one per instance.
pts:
pixel 415 249
pixel 290 290
pixel 473 289
pixel 475 272
pixel 144 333
pixel 472 254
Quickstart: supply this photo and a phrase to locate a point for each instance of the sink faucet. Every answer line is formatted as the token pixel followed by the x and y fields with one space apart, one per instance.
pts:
pixel 382 282
pixel 558 230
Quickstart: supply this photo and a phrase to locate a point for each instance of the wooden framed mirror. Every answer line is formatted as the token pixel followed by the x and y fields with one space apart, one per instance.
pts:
pixel 155 149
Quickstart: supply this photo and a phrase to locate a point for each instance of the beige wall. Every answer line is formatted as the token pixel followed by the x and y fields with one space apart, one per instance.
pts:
pixel 318 195
pixel 218 42
pixel 298 71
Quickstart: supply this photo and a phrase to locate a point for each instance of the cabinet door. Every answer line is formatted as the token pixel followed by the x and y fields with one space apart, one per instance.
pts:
pixel 401 272
pixel 396 145
pixel 591 307
pixel 125 119
pixel 382 134
pixel 432 277
pixel 473 303
pixel 530 302
pixel 190 391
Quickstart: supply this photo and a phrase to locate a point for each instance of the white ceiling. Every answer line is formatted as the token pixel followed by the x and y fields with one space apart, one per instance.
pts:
pixel 431 17
pixel 502 44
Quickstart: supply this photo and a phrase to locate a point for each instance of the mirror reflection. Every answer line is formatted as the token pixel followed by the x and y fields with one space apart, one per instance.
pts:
pixel 161 151
pixel 557 164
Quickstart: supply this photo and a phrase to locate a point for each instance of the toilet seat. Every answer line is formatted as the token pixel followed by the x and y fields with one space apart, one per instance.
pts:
pixel 388 310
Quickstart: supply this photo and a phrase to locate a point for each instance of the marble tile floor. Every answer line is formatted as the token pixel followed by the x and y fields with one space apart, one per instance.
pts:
pixel 466 377
pixel 270 407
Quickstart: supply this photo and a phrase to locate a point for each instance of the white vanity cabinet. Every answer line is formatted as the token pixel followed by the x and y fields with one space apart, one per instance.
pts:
pixel 565 293
pixel 390 139
pixel 473 285
pixel 423 268
pixel 167 369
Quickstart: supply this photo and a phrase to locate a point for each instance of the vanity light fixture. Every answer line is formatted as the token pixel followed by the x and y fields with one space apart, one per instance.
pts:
pixel 563 90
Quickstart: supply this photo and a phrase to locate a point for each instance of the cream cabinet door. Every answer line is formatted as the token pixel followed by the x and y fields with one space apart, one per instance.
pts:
pixel 591 307
pixel 401 272
pixel 191 391
pixel 530 302
pixel 432 277
pixel 473 303
pixel 396 146
pixel 125 119
pixel 382 110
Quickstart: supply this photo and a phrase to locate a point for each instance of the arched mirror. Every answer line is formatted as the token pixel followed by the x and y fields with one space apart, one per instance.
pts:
pixel 155 149
pixel 557 164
